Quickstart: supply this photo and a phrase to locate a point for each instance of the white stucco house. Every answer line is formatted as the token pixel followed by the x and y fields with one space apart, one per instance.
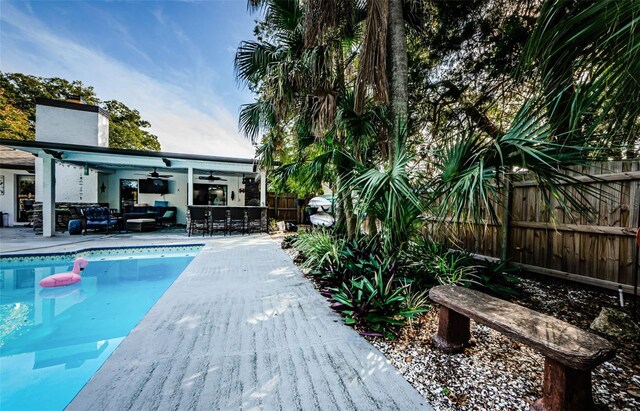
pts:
pixel 70 161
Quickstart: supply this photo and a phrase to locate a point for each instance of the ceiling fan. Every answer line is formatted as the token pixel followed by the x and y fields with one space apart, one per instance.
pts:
pixel 211 177
pixel 155 174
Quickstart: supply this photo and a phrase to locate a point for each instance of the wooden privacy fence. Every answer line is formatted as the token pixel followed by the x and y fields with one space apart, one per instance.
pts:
pixel 600 251
pixel 282 207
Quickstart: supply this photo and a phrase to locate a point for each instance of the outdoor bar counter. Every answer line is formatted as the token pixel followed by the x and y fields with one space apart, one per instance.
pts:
pixel 263 223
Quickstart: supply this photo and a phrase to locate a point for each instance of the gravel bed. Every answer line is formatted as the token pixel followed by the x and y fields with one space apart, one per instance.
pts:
pixel 497 373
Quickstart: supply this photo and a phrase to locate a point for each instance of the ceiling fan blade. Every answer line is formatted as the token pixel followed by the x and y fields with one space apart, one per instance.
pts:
pixel 164 175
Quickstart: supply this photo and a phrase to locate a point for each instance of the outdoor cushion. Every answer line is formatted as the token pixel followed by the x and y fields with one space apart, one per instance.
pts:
pixel 99 222
pixel 141 220
pixel 168 214
pixel 75 227
pixel 161 203
pixel 98 216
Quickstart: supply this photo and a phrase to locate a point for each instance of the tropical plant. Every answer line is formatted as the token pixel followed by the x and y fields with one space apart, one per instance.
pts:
pixel 430 263
pixel 386 194
pixel 321 250
pixel 586 56
pixel 416 299
pixel 472 170
pixel 497 278
pixel 288 241
pixel 375 300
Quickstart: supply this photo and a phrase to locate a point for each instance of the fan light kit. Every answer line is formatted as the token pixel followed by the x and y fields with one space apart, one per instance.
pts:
pixel 155 174
pixel 211 177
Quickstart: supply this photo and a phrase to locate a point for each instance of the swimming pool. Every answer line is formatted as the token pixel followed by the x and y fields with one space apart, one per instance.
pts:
pixel 53 340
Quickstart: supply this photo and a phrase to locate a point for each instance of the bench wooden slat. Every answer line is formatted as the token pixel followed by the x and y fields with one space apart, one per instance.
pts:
pixel 554 338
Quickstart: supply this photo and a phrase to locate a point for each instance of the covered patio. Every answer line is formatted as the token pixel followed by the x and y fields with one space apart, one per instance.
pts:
pixel 121 179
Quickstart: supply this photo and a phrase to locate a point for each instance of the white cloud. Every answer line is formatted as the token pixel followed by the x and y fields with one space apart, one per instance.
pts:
pixel 181 124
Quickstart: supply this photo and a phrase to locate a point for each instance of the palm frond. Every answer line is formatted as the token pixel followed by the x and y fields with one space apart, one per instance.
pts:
pixel 372 68
pixel 255 117
pixel 588 57
pixel 252 60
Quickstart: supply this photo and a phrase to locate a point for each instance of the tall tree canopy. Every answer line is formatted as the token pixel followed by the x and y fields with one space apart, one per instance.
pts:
pixel 18 111
pixel 494 86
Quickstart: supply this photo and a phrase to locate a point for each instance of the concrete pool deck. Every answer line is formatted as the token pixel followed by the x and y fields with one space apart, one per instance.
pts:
pixel 241 328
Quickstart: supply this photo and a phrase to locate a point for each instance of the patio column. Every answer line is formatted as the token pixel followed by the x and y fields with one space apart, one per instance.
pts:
pixel 263 188
pixel 48 195
pixel 190 186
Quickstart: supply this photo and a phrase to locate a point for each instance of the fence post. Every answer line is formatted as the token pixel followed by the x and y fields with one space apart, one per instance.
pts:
pixel 506 219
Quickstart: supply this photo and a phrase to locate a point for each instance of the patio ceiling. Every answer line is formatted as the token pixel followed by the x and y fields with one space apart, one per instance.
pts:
pixel 107 159
pixel 16 159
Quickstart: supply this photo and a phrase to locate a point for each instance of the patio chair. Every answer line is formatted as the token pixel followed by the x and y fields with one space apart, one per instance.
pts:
pixel 254 220
pixel 218 220
pixel 237 219
pixel 97 218
pixel 198 220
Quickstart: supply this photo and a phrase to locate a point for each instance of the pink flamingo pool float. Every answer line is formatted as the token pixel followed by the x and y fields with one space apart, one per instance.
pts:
pixel 62 279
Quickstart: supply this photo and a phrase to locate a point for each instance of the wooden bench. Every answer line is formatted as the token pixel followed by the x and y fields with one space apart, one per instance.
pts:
pixel 570 352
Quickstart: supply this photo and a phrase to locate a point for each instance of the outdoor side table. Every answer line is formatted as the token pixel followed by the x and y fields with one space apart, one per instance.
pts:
pixel 141 224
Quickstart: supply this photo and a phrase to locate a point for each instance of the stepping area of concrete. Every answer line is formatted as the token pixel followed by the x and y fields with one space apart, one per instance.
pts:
pixel 241 328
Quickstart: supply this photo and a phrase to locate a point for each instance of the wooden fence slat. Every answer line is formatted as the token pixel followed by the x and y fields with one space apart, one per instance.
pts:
pixel 634 175
pixel 578 228
pixel 599 248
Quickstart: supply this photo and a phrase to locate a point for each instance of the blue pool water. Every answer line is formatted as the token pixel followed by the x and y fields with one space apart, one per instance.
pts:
pixel 53 340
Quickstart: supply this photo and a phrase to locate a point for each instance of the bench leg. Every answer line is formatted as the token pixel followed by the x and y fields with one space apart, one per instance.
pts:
pixel 565 389
pixel 453 331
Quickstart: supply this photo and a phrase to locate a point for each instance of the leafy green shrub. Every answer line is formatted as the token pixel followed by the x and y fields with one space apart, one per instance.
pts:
pixel 433 263
pixel 498 279
pixel 375 303
pixel 287 242
pixel 321 249
pixel 416 299
pixel 273 226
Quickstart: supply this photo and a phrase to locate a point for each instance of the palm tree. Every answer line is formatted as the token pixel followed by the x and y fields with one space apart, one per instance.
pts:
pixel 382 69
pixel 587 54
pixel 300 85
pixel 589 99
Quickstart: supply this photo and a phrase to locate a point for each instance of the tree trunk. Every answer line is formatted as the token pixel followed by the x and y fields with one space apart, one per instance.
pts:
pixel 338 205
pixel 350 220
pixel 372 227
pixel 398 71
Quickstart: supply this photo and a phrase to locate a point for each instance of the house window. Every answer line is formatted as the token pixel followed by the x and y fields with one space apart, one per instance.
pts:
pixel 209 194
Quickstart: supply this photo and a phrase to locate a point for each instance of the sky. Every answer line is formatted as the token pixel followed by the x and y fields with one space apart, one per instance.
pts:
pixel 171 60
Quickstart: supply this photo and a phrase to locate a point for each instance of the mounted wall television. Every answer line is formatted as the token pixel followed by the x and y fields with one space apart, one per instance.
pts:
pixel 153 186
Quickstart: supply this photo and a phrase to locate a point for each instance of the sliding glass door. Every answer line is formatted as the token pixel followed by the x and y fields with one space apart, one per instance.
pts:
pixel 128 194
pixel 26 196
